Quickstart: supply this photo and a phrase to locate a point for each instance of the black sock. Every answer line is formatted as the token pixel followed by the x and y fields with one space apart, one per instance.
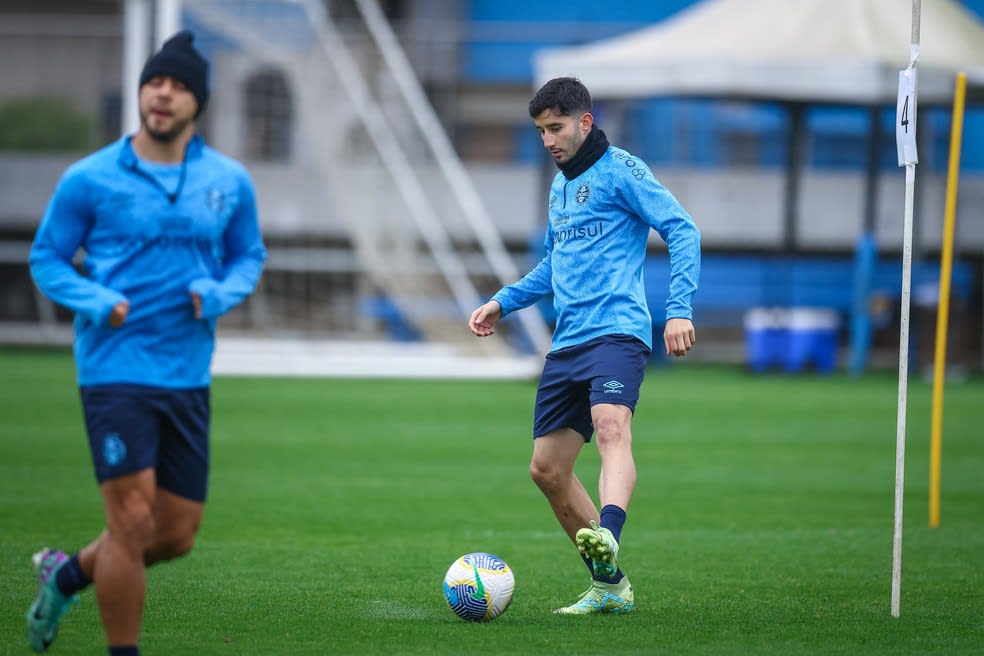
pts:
pixel 128 650
pixel 70 578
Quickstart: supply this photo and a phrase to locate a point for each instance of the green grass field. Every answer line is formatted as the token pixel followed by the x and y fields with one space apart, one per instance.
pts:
pixel 761 524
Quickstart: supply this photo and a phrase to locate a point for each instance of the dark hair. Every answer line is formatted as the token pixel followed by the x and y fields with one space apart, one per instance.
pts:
pixel 564 95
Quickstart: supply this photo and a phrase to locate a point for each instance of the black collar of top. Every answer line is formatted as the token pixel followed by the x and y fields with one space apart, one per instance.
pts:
pixel 594 146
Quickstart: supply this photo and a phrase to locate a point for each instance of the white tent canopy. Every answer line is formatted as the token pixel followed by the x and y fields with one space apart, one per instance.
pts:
pixel 797 52
pixel 837 51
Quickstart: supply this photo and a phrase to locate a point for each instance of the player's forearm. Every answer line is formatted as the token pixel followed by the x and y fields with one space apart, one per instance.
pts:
pixel 59 281
pixel 528 290
pixel 238 282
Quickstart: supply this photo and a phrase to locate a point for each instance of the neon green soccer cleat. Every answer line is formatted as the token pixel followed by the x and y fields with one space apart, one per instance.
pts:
pixel 49 606
pixel 603 598
pixel 600 546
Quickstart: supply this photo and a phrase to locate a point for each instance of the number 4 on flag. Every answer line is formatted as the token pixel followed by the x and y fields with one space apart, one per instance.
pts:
pixel 905 118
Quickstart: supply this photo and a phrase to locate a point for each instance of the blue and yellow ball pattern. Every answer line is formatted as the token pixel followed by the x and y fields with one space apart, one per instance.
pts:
pixel 479 587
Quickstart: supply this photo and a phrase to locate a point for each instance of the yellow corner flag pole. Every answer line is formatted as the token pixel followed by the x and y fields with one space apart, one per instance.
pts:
pixel 943 310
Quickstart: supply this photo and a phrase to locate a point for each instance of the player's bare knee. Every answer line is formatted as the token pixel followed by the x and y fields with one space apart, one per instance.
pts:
pixel 132 525
pixel 546 477
pixel 176 547
pixel 611 432
pixel 169 547
pixel 176 540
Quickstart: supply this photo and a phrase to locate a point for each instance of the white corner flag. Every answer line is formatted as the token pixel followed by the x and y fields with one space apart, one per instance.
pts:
pixel 905 137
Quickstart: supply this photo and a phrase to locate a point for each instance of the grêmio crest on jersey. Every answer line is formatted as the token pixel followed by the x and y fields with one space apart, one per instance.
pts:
pixel 582 193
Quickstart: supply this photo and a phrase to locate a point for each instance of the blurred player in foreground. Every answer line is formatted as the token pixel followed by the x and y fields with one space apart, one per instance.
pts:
pixel 171 242
pixel 602 205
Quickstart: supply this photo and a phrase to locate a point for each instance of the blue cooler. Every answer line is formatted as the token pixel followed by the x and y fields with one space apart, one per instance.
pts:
pixel 812 339
pixel 765 338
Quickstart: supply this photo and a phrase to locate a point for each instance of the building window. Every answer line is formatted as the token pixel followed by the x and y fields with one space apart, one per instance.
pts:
pixel 269 117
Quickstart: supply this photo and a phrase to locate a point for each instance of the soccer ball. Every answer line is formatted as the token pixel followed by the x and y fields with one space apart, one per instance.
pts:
pixel 478 587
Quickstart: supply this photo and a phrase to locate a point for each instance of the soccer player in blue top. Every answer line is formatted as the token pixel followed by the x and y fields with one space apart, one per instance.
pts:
pixel 602 205
pixel 171 241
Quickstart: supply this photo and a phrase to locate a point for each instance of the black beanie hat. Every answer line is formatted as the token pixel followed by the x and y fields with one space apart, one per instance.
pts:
pixel 179 59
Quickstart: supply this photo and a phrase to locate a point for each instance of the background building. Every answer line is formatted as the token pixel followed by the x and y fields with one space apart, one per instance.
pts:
pixel 372 231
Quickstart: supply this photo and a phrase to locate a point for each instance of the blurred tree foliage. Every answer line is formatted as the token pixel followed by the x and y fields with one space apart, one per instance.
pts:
pixel 44 124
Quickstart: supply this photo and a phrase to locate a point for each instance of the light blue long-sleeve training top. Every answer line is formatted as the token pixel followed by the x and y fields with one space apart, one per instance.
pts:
pixel 595 251
pixel 151 234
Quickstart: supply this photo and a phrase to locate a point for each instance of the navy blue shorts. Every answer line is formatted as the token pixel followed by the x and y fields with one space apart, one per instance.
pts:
pixel 134 427
pixel 606 369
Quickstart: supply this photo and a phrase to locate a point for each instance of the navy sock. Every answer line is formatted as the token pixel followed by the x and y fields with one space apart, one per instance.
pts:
pixel 613 518
pixel 615 578
pixel 70 578
pixel 129 650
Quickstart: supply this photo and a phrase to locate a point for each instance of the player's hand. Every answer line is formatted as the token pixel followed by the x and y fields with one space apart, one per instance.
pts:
pixel 119 313
pixel 196 302
pixel 483 319
pixel 679 336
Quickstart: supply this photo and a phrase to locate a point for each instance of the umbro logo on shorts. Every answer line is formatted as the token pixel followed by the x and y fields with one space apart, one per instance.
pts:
pixel 613 387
